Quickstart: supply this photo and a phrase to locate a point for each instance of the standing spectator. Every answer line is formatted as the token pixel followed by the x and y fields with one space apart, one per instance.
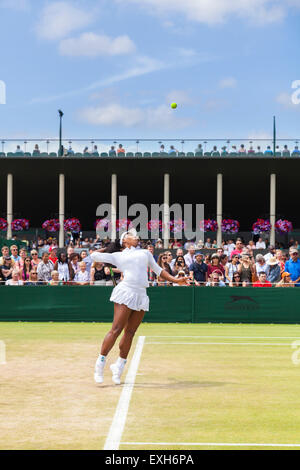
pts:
pixel 273 270
pixel 215 266
pixel 198 270
pixel 292 266
pixel 232 268
pixel 15 280
pixel 238 248
pixel 35 259
pixel 45 269
pixel 260 265
pixel 262 281
pixel 26 270
pixel 271 253
pixel 14 253
pixel 246 270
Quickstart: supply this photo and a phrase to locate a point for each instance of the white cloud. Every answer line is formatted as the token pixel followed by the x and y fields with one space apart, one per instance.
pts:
pixel 218 11
pixel 180 97
pixel 229 82
pixel 161 117
pixel 58 19
pixel 93 45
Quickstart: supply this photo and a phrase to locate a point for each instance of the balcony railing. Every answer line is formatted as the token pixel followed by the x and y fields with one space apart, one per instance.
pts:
pixel 148 148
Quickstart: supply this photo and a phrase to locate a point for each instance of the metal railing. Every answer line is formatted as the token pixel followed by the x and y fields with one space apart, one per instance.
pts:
pixel 135 148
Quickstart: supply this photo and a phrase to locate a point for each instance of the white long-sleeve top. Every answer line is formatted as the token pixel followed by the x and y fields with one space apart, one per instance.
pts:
pixel 133 263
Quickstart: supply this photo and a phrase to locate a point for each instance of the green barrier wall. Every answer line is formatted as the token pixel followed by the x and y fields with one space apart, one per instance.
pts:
pixel 167 304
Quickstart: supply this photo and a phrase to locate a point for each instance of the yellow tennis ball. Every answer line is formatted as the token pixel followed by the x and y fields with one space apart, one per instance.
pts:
pixel 174 105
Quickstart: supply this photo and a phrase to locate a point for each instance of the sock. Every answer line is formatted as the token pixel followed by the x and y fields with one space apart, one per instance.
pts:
pixel 121 363
pixel 101 361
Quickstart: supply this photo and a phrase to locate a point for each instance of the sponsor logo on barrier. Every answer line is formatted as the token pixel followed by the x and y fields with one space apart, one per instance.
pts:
pixel 2 92
pixel 2 353
pixel 241 302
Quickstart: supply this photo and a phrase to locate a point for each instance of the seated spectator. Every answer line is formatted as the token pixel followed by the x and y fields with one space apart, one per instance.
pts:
pixel 33 279
pixel 5 254
pixel 189 258
pixel 224 151
pixel 229 247
pixel 242 149
pixel 86 150
pixel 70 151
pixel 238 248
pixel 163 263
pixel 15 279
pixel 179 252
pixel 260 244
pixel 214 281
pixel 215 152
pixel 112 151
pixel 292 266
pixel 53 255
pixel 159 243
pixel 296 151
pixel 236 280
pixel 262 281
pixel 280 260
pixel 45 269
pixel 224 260
pixel 232 268
pixel 277 151
pixel 25 272
pixel 36 150
pixel 215 266
pixel 286 152
pixel 246 270
pixel 19 151
pixel 150 247
pixel 55 279
pixel 179 265
pixel 176 244
pixel 198 270
pixel 120 150
pixel 162 149
pixel 273 270
pixel 180 274
pixel 95 150
pixel 82 277
pixel 259 149
pixel 35 261
pixel 98 275
pixel 74 262
pixel 260 265
pixel 208 244
pixel 207 259
pixel 86 257
pixel 214 245
pixel 6 268
pixel 271 253
pixel 233 150
pixel 15 253
pixel 172 150
pixel 63 267
pixel 200 245
pixel 251 245
pixel 286 281
pixel 199 149
pixel 268 151
pixel 251 150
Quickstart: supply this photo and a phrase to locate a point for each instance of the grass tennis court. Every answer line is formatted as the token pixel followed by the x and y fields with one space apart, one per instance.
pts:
pixel 196 385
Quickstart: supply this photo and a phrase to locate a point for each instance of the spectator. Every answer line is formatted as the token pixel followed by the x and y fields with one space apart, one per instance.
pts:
pixel 5 254
pixel 262 281
pixel 268 151
pixel 52 256
pixel 260 265
pixel 238 248
pixel 246 270
pixel 273 270
pixel 207 259
pixel 215 266
pixel 172 150
pixel 63 267
pixel 251 246
pixel 45 269
pixel 15 280
pixel 207 244
pixel 271 253
pixel 169 257
pixel 232 268
pixel 112 151
pixel 251 150
pixel 55 279
pixel 25 272
pixel 224 260
pixel 159 243
pixel 280 259
pixel 242 149
pixel 87 259
pixel 179 252
pixel 98 275
pixel 189 258
pixel 70 151
pixel 258 149
pixel 82 277
pixel 162 149
pixel 36 151
pixel 286 152
pixel 198 270
pixel 229 247
pixel 121 150
pixel 33 279
pixel 163 263
pixel 19 151
pixel 296 151
pixel 151 249
pixel 180 274
pixel 200 245
pixel 6 268
pixel 95 151
pixel 35 259
pixel 214 281
pixel 199 149
pixel 286 281
pixel 177 244
pixel 86 151
pixel 292 266
pixel 233 150
pixel 14 253
pixel 260 244
pixel 236 280
pixel 74 262
pixel 180 265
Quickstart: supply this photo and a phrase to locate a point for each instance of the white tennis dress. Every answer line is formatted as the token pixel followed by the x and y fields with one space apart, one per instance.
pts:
pixel 133 263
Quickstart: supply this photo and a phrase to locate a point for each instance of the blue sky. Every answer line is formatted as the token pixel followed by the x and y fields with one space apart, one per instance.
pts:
pixel 114 67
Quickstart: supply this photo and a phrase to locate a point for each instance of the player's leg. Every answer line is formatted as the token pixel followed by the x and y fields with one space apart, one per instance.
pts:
pixel 121 315
pixel 133 323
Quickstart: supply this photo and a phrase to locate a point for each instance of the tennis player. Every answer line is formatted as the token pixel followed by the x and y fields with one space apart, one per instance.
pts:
pixel 129 297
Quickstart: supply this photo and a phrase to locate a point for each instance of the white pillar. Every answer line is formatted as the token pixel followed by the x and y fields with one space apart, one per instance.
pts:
pixel 114 194
pixel 272 207
pixel 219 207
pixel 166 215
pixel 9 204
pixel 61 210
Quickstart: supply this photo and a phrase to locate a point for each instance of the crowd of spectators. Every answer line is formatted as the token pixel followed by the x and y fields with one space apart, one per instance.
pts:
pixel 119 150
pixel 233 264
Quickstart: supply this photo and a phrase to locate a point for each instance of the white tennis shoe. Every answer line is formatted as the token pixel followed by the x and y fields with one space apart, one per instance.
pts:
pixel 98 375
pixel 116 374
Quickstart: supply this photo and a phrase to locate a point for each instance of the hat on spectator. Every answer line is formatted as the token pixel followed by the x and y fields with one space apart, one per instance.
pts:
pixel 198 254
pixel 272 261
pixel 181 272
pixel 259 256
pixel 215 255
pixel 8 258
pixel 293 250
pixel 285 274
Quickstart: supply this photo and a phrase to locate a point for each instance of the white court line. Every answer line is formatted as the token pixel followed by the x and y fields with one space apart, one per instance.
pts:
pixel 226 444
pixel 235 344
pixel 117 426
pixel 229 337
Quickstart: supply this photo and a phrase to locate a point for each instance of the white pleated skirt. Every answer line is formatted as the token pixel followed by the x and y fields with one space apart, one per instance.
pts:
pixel 135 298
